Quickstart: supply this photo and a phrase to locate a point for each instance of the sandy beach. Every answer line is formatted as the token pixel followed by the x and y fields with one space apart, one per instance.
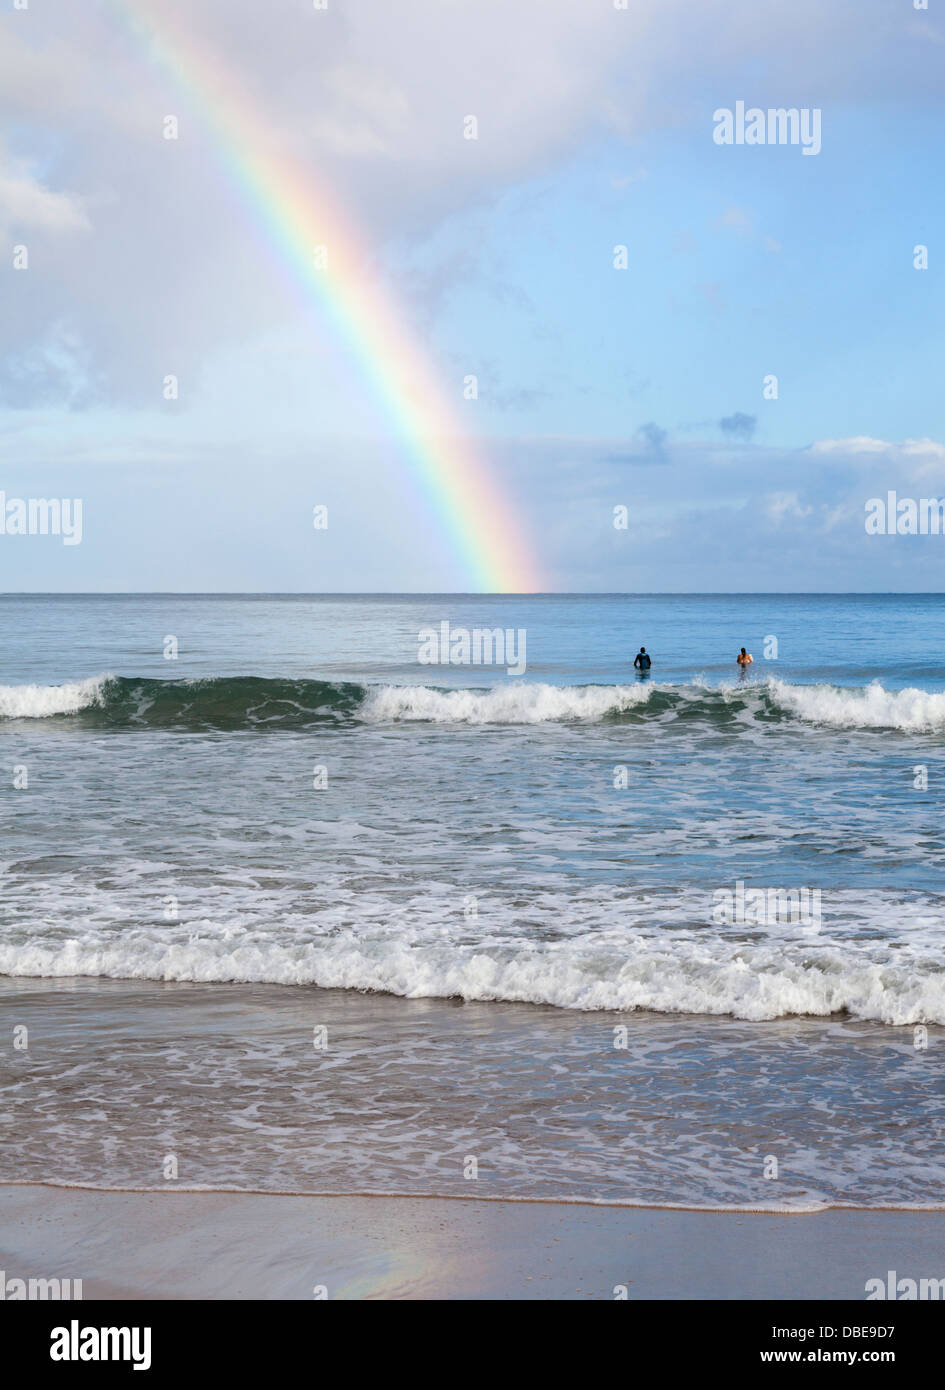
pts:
pixel 185 1245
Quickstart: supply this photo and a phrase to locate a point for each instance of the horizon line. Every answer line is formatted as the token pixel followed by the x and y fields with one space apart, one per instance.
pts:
pixel 471 594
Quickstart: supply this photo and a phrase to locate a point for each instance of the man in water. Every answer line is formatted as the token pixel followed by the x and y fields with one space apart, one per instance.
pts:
pixel 744 658
pixel 641 661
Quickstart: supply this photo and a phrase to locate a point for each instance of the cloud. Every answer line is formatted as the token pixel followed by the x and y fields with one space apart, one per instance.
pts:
pixel 859 444
pixel 863 445
pixel 739 425
pixel 653 443
pixel 179 265
pixel 54 372
pixel 647 446
pixel 783 506
pixel 26 206
pixel 923 448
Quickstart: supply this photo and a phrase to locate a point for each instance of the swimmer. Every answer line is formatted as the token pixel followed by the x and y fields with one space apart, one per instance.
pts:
pixel 744 658
pixel 641 661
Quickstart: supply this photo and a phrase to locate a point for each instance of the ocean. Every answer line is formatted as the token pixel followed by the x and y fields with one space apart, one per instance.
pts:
pixel 305 912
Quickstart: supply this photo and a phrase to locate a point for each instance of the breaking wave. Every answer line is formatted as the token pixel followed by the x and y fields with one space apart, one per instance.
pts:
pixel 767 980
pixel 234 702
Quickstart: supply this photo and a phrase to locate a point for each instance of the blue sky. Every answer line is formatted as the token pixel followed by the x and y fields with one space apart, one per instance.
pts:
pixel 597 387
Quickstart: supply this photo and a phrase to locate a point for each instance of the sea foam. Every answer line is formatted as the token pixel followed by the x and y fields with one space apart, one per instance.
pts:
pixel 521 703
pixel 41 701
pixel 862 707
pixel 622 971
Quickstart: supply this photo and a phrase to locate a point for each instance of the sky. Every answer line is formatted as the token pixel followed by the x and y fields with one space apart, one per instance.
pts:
pixel 621 287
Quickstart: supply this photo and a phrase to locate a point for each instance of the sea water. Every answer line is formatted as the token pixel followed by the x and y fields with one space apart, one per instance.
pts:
pixel 278 793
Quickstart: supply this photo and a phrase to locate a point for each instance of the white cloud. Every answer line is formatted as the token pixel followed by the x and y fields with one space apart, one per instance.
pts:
pixel 374 97
pixel 924 448
pixel 25 206
pixel 858 444
pixel 784 506
pixel 864 445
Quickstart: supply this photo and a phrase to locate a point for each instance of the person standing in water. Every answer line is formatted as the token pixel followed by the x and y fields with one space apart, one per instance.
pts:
pixel 641 661
pixel 744 658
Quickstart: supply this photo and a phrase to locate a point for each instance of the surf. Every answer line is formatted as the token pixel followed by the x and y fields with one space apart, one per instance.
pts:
pixel 621 967
pixel 258 702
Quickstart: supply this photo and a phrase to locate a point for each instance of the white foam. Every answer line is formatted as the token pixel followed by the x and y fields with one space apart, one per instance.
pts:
pixel 41 701
pixel 521 703
pixel 621 963
pixel 863 707
pixel 866 707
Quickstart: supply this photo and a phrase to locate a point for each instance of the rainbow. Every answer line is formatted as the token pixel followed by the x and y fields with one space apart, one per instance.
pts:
pixel 298 213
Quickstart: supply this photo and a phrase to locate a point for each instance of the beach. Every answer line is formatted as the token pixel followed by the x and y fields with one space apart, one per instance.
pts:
pixel 425 982
pixel 472 689
pixel 188 1245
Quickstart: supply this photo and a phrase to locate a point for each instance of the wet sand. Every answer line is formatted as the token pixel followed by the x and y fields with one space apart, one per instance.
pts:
pixel 211 1245
pixel 118 1075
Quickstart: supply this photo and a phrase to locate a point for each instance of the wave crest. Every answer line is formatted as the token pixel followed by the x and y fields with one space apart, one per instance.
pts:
pixel 753 982
pixel 235 702
pixel 513 704
pixel 862 707
pixel 43 701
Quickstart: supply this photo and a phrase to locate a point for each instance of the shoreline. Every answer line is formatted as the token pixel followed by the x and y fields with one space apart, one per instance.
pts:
pixel 228 1081
pixel 598 1204
pixel 212 1245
